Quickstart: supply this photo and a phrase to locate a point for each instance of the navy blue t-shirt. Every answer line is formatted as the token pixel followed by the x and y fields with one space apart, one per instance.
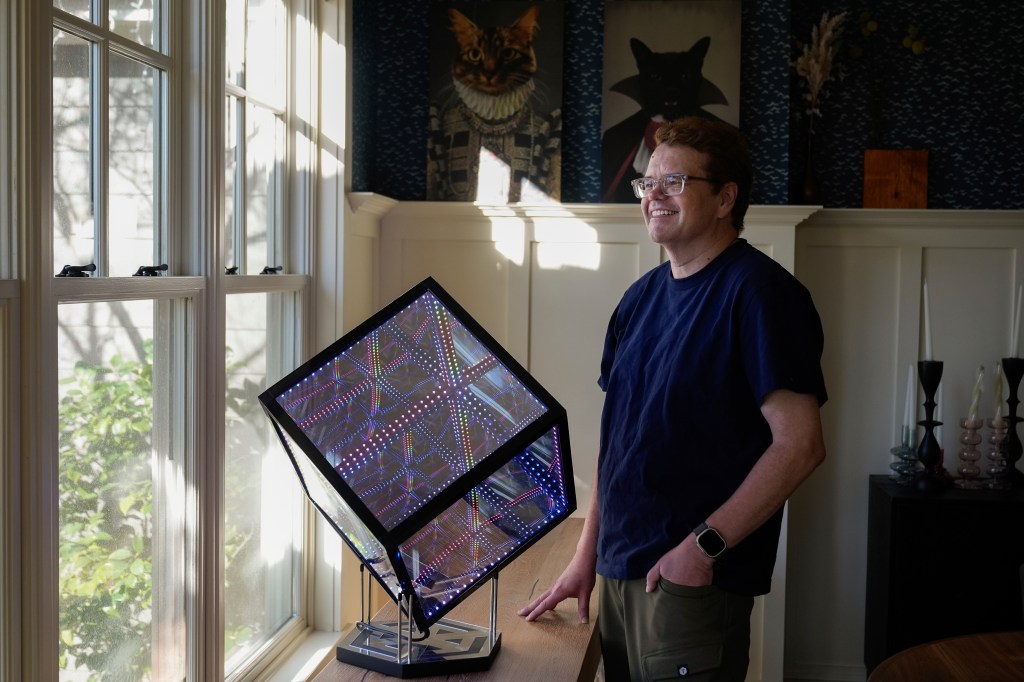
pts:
pixel 687 364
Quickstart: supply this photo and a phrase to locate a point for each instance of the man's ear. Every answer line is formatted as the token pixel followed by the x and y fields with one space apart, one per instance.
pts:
pixel 727 198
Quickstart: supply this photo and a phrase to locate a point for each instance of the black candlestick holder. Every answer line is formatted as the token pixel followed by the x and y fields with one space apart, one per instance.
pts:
pixel 1013 370
pixel 929 452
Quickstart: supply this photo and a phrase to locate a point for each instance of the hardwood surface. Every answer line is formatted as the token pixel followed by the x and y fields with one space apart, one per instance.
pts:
pixel 554 648
pixel 986 657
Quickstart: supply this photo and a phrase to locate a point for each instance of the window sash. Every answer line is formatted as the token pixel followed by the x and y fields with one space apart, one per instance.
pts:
pixel 263 542
pixel 139 475
pixel 109 55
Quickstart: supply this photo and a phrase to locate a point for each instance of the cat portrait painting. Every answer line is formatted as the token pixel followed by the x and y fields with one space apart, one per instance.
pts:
pixel 663 60
pixel 495 119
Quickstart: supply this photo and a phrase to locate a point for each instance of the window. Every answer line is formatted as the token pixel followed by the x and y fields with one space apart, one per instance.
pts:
pixel 157 500
pixel 263 506
pixel 122 455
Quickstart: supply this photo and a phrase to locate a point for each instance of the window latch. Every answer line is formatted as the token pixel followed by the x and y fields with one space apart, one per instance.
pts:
pixel 271 270
pixel 150 270
pixel 233 270
pixel 76 270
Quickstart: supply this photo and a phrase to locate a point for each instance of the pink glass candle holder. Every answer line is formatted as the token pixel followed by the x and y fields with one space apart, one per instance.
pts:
pixel 998 480
pixel 969 453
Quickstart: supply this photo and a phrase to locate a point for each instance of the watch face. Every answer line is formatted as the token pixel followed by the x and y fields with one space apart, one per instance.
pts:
pixel 711 542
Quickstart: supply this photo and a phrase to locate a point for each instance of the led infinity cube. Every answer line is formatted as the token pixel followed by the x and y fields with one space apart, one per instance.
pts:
pixel 433 453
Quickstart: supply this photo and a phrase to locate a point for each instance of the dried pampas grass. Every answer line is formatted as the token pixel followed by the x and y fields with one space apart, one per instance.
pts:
pixel 814 64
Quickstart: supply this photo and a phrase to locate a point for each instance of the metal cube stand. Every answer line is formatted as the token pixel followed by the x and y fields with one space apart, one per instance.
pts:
pixel 448 647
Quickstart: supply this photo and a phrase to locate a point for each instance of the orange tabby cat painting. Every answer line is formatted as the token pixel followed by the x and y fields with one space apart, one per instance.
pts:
pixel 495 112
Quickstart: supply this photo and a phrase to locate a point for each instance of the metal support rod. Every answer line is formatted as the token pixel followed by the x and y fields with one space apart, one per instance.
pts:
pixel 399 627
pixel 362 595
pixel 493 625
pixel 369 596
pixel 408 637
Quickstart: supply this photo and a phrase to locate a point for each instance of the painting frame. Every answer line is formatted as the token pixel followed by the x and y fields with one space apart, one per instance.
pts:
pixel 491 141
pixel 700 34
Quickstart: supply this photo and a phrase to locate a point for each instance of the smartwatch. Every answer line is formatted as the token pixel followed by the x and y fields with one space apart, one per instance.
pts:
pixel 709 541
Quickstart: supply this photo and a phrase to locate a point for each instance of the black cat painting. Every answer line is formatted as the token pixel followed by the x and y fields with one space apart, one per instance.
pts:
pixel 667 85
pixel 494 125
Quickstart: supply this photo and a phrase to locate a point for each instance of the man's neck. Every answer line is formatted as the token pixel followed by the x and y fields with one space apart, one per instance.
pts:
pixel 690 261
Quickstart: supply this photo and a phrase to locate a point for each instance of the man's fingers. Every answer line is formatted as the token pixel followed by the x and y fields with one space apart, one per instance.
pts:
pixel 532 606
pixel 652 578
pixel 545 602
pixel 543 607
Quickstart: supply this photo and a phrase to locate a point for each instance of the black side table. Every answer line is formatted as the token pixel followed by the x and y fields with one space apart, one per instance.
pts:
pixel 941 564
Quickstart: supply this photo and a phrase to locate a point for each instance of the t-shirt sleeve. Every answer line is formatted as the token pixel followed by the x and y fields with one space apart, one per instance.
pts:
pixel 783 340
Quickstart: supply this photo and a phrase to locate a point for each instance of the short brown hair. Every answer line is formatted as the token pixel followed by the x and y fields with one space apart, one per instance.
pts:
pixel 728 156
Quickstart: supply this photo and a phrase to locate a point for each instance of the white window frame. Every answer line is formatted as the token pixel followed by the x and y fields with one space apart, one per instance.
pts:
pixel 28 534
pixel 9 381
pixel 9 377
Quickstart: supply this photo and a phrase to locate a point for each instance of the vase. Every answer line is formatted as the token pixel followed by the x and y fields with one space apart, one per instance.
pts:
pixel 810 191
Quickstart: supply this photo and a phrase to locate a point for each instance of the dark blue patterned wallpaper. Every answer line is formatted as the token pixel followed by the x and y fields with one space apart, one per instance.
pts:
pixel 764 99
pixel 961 99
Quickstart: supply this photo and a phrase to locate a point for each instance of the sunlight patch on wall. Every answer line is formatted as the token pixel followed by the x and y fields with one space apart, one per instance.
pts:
pixel 509 236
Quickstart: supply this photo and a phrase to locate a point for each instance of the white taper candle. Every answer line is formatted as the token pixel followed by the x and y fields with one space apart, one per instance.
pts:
pixel 927 325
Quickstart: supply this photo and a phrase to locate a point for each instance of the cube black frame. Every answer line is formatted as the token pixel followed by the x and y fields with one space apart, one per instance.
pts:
pixel 552 421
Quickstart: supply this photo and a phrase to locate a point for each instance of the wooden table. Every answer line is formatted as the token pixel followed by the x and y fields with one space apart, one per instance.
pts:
pixel 985 657
pixel 554 648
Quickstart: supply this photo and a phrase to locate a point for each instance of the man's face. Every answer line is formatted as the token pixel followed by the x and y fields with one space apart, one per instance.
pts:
pixel 683 219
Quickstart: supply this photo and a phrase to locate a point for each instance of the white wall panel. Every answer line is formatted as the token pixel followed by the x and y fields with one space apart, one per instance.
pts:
pixel 569 310
pixel 472 271
pixel 853 290
pixel 865 270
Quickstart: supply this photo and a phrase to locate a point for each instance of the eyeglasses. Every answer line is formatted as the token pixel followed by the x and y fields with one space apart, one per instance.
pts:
pixel 671 184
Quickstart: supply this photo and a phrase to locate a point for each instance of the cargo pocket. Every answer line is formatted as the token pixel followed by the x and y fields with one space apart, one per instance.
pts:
pixel 698 662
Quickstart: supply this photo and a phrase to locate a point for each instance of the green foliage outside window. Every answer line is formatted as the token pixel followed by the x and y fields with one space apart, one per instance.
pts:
pixel 106 519
pixel 106 513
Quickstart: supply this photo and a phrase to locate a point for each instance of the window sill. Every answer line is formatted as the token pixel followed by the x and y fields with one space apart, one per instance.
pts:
pixel 307 658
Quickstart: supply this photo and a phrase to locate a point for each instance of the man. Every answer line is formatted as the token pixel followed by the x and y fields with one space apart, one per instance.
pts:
pixel 713 383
